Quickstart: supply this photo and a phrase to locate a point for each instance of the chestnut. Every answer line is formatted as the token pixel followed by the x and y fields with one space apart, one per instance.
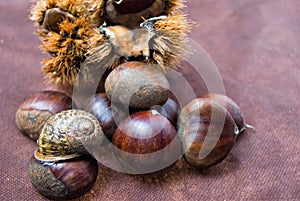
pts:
pixel 208 132
pixel 131 6
pixel 100 106
pixel 148 142
pixel 130 13
pixel 37 108
pixel 53 17
pixel 170 110
pixel 101 84
pixel 137 85
pixel 64 179
pixel 232 108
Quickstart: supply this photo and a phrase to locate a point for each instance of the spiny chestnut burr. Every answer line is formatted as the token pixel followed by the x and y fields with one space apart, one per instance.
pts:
pixel 100 106
pixel 64 179
pixel 232 108
pixel 208 132
pixel 37 108
pixel 148 142
pixel 137 85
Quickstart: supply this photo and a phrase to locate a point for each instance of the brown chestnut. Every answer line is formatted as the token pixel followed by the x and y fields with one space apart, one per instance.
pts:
pixel 131 6
pixel 208 132
pixel 53 17
pixel 129 13
pixel 148 142
pixel 232 108
pixel 37 108
pixel 101 84
pixel 170 110
pixel 137 85
pixel 65 179
pixel 100 106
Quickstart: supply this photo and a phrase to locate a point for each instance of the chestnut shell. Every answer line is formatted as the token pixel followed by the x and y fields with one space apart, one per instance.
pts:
pixel 100 106
pixel 143 133
pixel 232 108
pixel 137 85
pixel 132 6
pixel 37 108
pixel 65 179
pixel 208 132
pixel 170 109
pixel 130 13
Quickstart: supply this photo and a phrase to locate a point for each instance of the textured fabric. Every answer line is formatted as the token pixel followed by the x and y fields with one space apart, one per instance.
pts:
pixel 254 43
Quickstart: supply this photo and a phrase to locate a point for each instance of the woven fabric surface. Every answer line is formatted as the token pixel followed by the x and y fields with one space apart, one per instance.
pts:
pixel 254 43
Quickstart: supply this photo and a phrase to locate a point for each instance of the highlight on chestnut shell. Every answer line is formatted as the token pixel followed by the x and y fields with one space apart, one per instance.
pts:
pixel 148 142
pixel 208 133
pixel 170 109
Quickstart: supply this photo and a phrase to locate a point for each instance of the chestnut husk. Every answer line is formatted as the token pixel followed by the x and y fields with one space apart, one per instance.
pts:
pixel 137 85
pixel 147 139
pixel 37 108
pixel 232 108
pixel 208 133
pixel 64 179
pixel 100 106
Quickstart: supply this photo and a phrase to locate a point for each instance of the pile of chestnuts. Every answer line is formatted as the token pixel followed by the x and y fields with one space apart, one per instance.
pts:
pixel 133 110
pixel 144 120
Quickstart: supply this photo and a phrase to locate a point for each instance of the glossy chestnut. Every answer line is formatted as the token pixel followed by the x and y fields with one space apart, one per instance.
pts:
pixel 65 179
pixel 129 13
pixel 37 108
pixel 170 110
pixel 132 6
pixel 208 132
pixel 101 84
pixel 100 106
pixel 53 17
pixel 148 142
pixel 232 108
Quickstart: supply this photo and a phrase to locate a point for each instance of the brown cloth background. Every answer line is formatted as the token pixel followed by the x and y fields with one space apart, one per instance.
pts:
pixel 256 46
